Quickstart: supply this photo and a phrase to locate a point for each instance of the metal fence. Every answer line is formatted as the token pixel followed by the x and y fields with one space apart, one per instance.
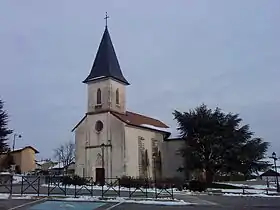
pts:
pixel 244 191
pixel 55 186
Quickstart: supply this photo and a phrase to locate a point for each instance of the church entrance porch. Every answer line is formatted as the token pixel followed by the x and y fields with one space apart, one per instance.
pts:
pixel 98 162
pixel 100 176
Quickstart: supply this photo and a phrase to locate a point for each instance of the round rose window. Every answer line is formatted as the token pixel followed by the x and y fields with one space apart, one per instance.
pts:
pixel 98 126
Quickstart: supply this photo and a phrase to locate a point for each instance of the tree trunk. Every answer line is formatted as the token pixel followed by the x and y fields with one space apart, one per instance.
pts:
pixel 209 176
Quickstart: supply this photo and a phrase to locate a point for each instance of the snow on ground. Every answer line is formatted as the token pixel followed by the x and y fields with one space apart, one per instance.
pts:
pixel 6 196
pixel 5 173
pixel 248 189
pixel 251 180
pixel 255 189
pixel 166 202
pixel 257 186
pixel 263 187
pixel 252 195
pixel 240 191
pixel 17 179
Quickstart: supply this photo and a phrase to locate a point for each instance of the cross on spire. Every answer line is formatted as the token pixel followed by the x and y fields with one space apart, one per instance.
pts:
pixel 106 19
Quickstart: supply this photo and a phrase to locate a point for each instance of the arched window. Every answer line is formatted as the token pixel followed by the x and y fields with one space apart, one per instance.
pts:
pixel 98 97
pixel 117 97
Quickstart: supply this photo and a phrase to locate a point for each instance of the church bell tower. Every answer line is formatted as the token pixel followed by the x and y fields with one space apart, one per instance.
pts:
pixel 106 83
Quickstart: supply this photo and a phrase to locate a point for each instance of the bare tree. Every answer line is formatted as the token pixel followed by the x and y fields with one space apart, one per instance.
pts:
pixel 65 154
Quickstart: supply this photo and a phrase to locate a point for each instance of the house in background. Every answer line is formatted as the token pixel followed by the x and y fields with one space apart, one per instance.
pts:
pixel 23 158
pixel 270 163
pixel 43 166
pixel 270 176
pixel 271 172
pixel 60 169
pixel 172 161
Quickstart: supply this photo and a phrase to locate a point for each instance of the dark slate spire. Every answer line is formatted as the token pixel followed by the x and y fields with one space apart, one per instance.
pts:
pixel 106 63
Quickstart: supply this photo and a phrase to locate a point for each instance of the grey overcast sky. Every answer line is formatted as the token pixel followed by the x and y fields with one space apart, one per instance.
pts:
pixel 176 55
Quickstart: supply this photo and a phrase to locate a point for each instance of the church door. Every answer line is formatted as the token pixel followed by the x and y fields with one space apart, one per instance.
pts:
pixel 100 176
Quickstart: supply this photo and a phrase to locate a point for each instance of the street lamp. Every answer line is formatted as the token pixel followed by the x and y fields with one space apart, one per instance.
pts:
pixel 103 169
pixel 14 140
pixel 274 157
pixel 102 154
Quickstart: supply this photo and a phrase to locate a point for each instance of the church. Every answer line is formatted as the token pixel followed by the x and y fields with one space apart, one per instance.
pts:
pixel 112 141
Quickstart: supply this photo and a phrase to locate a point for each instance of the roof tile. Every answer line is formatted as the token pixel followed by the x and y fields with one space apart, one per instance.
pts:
pixel 139 120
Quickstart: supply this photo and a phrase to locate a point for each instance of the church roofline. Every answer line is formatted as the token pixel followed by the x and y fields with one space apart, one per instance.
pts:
pixel 102 78
pixel 73 129
pixel 129 119
pixel 151 129
pixel 173 139
pixel 151 124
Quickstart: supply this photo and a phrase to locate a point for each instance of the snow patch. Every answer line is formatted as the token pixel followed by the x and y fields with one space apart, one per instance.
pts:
pixel 17 179
pixel 246 191
pixel 251 180
pixel 42 162
pixel 166 202
pixel 168 130
pixel 245 186
pixel 6 196
pixel 150 201
pixel 57 166
pixel 5 173
pixel 252 195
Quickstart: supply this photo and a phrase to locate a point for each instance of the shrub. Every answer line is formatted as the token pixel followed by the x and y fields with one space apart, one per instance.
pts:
pixel 79 180
pixel 196 185
pixel 17 169
pixel 131 182
pixel 75 180
pixel 66 180
pixel 165 183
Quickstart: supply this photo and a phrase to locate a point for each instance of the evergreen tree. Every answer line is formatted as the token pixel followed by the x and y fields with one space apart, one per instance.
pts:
pixel 4 130
pixel 217 143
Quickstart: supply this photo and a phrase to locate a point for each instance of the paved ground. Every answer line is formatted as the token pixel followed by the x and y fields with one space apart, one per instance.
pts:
pixel 244 202
pixel 204 201
pixel 7 204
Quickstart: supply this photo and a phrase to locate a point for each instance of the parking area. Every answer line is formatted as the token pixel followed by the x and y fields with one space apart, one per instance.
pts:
pixel 44 204
pixel 203 202
pixel 13 204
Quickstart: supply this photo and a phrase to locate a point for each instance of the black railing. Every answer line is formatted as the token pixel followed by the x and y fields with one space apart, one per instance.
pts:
pixel 163 189
pixel 139 189
pixel 111 187
pixel 30 184
pixel 55 185
pixel 86 189
pixel 6 184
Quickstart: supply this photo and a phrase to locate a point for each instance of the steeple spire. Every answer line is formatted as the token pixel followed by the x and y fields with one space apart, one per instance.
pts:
pixel 106 64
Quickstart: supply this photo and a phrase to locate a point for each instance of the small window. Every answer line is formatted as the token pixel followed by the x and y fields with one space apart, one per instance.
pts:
pixel 98 97
pixel 117 97
pixel 98 126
